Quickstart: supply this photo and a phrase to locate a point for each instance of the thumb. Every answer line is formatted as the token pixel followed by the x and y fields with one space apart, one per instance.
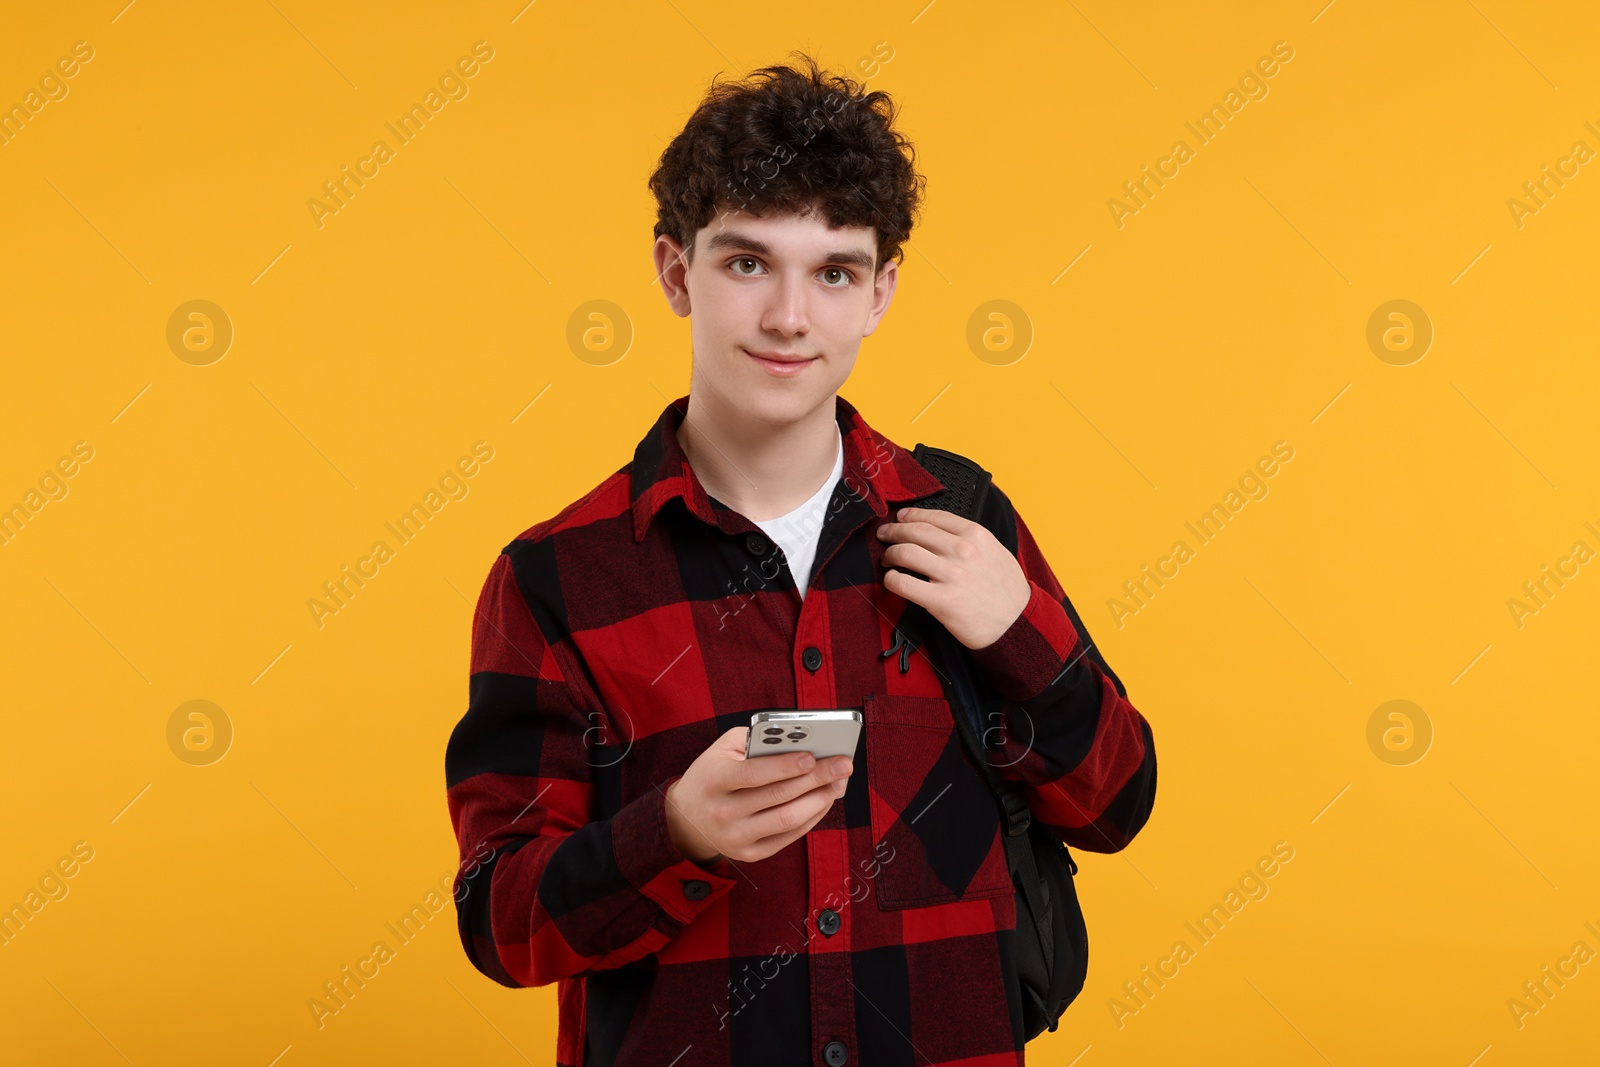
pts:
pixel 733 740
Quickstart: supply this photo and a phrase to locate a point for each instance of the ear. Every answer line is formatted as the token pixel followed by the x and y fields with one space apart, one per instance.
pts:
pixel 882 292
pixel 671 271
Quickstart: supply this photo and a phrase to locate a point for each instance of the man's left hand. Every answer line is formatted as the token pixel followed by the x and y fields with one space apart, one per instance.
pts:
pixel 975 586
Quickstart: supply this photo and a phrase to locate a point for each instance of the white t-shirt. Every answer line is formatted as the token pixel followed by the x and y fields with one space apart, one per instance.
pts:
pixel 797 533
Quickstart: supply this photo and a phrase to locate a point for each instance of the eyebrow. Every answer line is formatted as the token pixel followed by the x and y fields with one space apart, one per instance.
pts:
pixel 851 257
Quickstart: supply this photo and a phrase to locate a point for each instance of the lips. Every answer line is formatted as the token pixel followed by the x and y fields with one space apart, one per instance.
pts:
pixel 777 363
pixel 779 357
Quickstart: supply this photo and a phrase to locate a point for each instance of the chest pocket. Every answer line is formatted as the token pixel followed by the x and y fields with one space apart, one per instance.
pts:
pixel 935 824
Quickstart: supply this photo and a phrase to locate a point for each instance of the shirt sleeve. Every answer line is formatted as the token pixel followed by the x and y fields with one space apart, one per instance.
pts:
pixel 1067 731
pixel 546 889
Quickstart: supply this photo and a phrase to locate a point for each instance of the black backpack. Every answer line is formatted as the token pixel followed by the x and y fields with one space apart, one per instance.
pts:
pixel 1051 951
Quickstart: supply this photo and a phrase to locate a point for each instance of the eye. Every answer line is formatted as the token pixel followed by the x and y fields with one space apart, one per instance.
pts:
pixel 847 276
pixel 743 259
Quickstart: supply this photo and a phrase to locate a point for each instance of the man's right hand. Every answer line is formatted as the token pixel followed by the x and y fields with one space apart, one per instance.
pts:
pixel 748 809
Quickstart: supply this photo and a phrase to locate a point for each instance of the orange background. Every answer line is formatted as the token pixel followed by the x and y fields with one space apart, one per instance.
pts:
pixel 1165 356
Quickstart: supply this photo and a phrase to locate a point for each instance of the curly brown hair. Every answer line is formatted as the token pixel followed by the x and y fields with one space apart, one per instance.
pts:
pixel 791 139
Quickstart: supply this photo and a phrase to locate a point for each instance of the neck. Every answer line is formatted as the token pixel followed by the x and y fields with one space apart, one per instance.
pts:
pixel 757 469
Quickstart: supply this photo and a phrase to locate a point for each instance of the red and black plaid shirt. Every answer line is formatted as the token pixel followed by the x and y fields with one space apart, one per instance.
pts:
pixel 614 642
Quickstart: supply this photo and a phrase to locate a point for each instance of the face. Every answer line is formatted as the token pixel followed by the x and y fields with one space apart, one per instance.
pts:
pixel 787 286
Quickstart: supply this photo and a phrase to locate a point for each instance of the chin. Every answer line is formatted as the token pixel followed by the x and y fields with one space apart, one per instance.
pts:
pixel 777 408
pixel 749 393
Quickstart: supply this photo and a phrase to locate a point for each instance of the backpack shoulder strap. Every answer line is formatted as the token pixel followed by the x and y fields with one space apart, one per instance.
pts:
pixel 969 492
pixel 966 484
pixel 1053 916
pixel 965 493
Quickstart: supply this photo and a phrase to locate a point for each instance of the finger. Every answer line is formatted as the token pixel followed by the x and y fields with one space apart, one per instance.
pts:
pixel 926 534
pixel 757 771
pixel 944 520
pixel 906 587
pixel 788 822
pixel 934 598
pixel 909 557
pixel 785 790
pixel 765 844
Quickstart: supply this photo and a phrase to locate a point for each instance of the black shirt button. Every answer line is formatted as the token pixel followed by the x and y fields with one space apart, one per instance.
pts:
pixel 755 544
pixel 812 658
pixel 828 922
pixel 835 1054
pixel 695 889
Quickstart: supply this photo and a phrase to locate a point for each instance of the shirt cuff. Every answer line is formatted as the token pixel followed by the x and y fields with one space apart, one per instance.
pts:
pixel 1033 651
pixel 652 864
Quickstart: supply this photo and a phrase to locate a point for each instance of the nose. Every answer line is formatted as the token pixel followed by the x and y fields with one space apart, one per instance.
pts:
pixel 786 312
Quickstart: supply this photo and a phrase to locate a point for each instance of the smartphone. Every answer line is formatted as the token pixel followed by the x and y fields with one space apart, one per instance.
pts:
pixel 822 733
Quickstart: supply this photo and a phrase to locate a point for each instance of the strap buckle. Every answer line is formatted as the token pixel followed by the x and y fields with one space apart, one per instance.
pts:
pixel 1018 815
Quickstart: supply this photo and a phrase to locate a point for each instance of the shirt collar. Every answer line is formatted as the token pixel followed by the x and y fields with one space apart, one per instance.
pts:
pixel 880 471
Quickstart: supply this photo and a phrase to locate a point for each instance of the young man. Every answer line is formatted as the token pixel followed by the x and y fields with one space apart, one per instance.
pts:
pixel 689 902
